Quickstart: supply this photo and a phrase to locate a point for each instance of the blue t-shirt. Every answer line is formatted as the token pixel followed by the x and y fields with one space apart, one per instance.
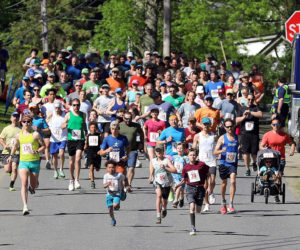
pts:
pixel 41 123
pixel 131 96
pixel 212 88
pixel 177 134
pixel 74 72
pixel 281 92
pixel 119 144
pixel 19 94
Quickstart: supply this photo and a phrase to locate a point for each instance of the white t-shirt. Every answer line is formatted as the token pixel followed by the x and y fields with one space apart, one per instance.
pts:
pixel 57 133
pixel 161 176
pixel 116 182
pixel 48 108
pixel 102 103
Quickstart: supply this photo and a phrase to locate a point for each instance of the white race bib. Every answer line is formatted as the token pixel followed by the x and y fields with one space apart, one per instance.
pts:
pixel 114 185
pixel 27 148
pixel 179 167
pixel 162 116
pixel 76 134
pixel 190 145
pixel 230 157
pixel 146 109
pixel 174 147
pixel 93 140
pixel 57 132
pixel 94 90
pixel 249 126
pixel 12 142
pixel 153 136
pixel 194 176
pixel 114 156
pixel 206 156
pixel 161 178
pixel 214 93
pixel 138 138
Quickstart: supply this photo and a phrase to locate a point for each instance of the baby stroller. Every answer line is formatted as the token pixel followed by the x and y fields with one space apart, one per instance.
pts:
pixel 268 162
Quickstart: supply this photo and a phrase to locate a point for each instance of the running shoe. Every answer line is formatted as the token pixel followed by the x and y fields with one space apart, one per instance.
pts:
pixel 212 199
pixel 171 196
pixel 31 190
pixel 223 209
pixel 193 231
pixel 77 184
pixel 138 164
pixel 55 175
pixel 231 210
pixel 113 222
pixel 248 173
pixel 12 189
pixel 277 200
pixel 254 166
pixel 93 185
pixel 37 184
pixel 164 213
pixel 71 185
pixel 25 210
pixel 48 165
pixel 206 208
pixel 158 220
pixel 181 203
pixel 61 174
pixel 175 204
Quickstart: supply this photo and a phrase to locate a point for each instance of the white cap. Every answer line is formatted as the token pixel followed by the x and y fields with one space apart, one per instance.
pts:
pixel 199 90
pixel 129 54
pixel 37 76
pixel 57 104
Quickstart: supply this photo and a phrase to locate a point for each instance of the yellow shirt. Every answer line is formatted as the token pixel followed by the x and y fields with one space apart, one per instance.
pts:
pixel 8 134
pixel 28 143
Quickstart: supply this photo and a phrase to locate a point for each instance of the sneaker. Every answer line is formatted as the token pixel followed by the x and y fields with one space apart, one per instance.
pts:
pixel 223 209
pixel 171 196
pixel 163 213
pixel 248 173
pixel 212 199
pixel 231 210
pixel 254 167
pixel 55 175
pixel 12 189
pixel 181 203
pixel 71 185
pixel 37 185
pixel 61 174
pixel 138 164
pixel 113 222
pixel 93 185
pixel 206 208
pixel 193 231
pixel 158 220
pixel 31 190
pixel 25 210
pixel 48 165
pixel 175 204
pixel 77 184
pixel 277 200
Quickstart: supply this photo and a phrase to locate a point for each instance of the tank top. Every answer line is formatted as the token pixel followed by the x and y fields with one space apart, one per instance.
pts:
pixel 75 127
pixel 161 176
pixel 117 107
pixel 28 144
pixel 229 157
pixel 57 133
pixel 206 148
pixel 93 143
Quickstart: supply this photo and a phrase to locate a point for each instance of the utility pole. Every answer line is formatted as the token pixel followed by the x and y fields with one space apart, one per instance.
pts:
pixel 167 28
pixel 44 25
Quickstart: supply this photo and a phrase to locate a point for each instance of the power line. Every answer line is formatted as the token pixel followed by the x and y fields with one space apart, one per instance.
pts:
pixel 15 4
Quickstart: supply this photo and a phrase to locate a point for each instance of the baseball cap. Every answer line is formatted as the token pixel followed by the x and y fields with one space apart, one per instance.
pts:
pixel 229 91
pixel 199 90
pixel 118 90
pixel 31 72
pixel 114 124
pixel 51 74
pixel 135 82
pixel 233 63
pixel 205 120
pixel 69 48
pixel 45 61
pixel 208 97
pixel 106 53
pixel 85 71
pixel 245 74
pixel 106 86
pixel 26 117
pixel 181 84
pixel 159 146
pixel 163 83
pixel 15 113
pixel 115 69
pixel 221 91
pixel 37 76
pixel 139 66
pixel 25 78
pixel 37 61
pixel 222 71
pixel 88 56
pixel 156 94
pixel 57 104
pixel 129 54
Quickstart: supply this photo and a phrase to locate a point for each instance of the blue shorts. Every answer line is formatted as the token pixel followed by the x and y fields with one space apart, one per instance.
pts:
pixel 56 146
pixel 132 157
pixel 226 171
pixel 32 166
pixel 112 199
pixel 177 178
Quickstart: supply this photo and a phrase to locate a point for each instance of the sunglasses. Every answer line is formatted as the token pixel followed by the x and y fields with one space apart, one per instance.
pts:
pixel 76 105
pixel 26 121
pixel 36 90
pixel 270 161
pixel 275 124
pixel 78 85
pixel 228 126
pixel 158 150
pixel 127 119
pixel 115 72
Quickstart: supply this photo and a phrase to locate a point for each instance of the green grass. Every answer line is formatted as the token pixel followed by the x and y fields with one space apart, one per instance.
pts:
pixel 4 119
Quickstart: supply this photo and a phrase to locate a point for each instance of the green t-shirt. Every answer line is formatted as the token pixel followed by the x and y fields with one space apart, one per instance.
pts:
pixel 75 127
pixel 175 101
pixel 145 101
pixel 131 132
pixel 93 87
pixel 8 134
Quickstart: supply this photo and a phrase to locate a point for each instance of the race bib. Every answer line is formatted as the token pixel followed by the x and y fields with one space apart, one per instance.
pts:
pixel 162 116
pixel 206 156
pixel 174 147
pixel 76 134
pixel 228 115
pixel 114 185
pixel 146 109
pixel 190 145
pixel 93 140
pixel 153 136
pixel 57 132
pixel 94 90
pixel 12 142
pixel 211 121
pixel 194 176
pixel 230 157
pixel 214 93
pixel 138 138
pixel 179 167
pixel 249 125
pixel 27 148
pixel 114 156
pixel 161 178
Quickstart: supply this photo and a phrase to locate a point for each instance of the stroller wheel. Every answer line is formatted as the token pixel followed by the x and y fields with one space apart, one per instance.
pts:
pixel 283 193
pixel 267 193
pixel 252 191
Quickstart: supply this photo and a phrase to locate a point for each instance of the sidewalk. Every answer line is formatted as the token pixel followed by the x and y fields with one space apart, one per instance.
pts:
pixel 292 173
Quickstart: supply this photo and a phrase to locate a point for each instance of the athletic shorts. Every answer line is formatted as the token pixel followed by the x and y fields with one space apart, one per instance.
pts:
pixel 32 166
pixel 46 136
pixel 165 191
pixel 132 157
pixel 112 199
pixel 73 146
pixel 213 170
pixel 282 166
pixel 226 171
pixel 15 158
pixel 56 146
pixel 93 159
pixel 250 143
pixel 105 127
pixel 195 194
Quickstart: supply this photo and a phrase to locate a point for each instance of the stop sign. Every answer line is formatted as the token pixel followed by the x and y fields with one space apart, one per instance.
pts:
pixel 292 26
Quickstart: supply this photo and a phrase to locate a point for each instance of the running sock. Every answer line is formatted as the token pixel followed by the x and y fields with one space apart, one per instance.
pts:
pixel 12 183
pixel 192 217
pixel 158 215
pixel 223 202
pixel 231 203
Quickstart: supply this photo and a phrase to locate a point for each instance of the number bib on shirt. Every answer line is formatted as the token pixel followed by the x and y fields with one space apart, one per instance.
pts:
pixel 161 178
pixel 57 132
pixel 114 156
pixel 230 157
pixel 162 116
pixel 193 176
pixel 249 126
pixel 27 148
pixel 179 167
pixel 214 93
pixel 93 140
pixel 206 156
pixel 114 185
pixel 190 145
pixel 153 136
pixel 94 90
pixel 76 134
pixel 228 115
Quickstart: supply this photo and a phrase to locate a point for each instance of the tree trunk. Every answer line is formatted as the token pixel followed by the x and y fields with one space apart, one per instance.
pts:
pixel 151 17
pixel 167 28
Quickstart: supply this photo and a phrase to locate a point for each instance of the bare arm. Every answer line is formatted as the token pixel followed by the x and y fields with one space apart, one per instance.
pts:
pixel 40 140
pixel 65 122
pixel 195 141
pixel 110 106
pixel 220 143
pixel 170 167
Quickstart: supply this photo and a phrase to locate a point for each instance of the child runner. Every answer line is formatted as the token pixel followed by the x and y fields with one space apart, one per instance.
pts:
pixel 159 170
pixel 114 183
pixel 91 148
pixel 194 174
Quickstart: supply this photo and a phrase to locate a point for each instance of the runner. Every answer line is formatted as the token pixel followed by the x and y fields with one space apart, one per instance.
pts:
pixel 23 108
pixel 29 165
pixel 116 104
pixel 75 122
pixel 160 170
pixel 188 109
pixel 227 147
pixel 7 140
pixel 190 133
pixel 173 98
pixel 194 174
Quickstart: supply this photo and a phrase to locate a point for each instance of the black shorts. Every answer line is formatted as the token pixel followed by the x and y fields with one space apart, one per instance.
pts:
pixel 195 194
pixel 14 158
pixel 250 143
pixel 226 171
pixel 105 127
pixel 47 136
pixel 165 191
pixel 94 159
pixel 73 146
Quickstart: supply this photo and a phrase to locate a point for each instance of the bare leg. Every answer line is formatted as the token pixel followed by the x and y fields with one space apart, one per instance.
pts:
pixel 71 166
pixel 62 158
pixel 14 172
pixel 92 172
pixel 55 161
pixel 158 200
pixel 24 173
pixel 77 164
pixel 223 188
pixel 34 179
pixel 246 157
pixel 130 174
pixel 232 186
pixel 47 149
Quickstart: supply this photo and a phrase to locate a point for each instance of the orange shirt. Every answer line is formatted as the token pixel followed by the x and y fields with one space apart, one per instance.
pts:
pixel 211 113
pixel 114 84
pixel 142 80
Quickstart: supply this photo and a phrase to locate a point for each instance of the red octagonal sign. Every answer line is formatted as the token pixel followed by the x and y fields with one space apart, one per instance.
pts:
pixel 292 26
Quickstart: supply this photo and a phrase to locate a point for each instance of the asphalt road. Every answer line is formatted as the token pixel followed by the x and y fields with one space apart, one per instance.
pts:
pixel 61 219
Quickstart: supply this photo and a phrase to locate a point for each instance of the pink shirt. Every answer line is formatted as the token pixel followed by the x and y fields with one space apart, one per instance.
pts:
pixel 154 130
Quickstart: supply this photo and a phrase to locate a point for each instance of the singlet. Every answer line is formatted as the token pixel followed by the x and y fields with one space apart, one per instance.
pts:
pixel 93 143
pixel 117 107
pixel 57 133
pixel 230 157
pixel 28 144
pixel 206 149
pixel 243 101
pixel 161 176
pixel 75 127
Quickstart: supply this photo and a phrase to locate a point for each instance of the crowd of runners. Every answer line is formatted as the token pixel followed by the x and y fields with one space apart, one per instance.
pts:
pixel 189 118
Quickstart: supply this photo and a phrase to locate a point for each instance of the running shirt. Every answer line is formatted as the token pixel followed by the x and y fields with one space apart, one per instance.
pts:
pixel 154 129
pixel 186 111
pixel 178 135
pixel 8 134
pixel 165 110
pixel 119 145
pixel 206 148
pixel 212 113
pixel 75 127
pixel 230 156
pixel 115 180
pixel 175 101
pixel 117 107
pixel 195 174
pixel 250 125
pixel 212 88
pixel 189 137
pixel 131 96
pixel 179 162
pixel 57 133
pixel 102 103
pixel 27 145
pixel 40 123
pixel 47 108
pixel 93 143
pixel 131 131
pixel 161 176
